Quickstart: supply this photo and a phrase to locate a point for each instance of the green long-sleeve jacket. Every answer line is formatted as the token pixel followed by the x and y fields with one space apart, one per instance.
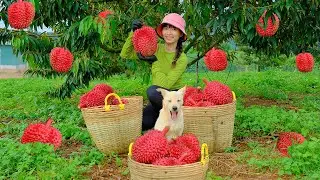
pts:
pixel 163 74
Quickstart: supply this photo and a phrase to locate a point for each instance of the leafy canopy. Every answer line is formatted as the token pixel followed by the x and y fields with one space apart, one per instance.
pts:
pixel 96 42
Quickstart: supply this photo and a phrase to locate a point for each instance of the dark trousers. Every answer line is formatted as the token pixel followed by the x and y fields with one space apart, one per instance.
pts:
pixel 151 111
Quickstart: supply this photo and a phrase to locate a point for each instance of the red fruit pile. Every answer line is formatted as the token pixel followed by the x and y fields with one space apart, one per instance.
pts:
pixel 150 147
pixel 185 149
pixel 96 97
pixel 154 148
pixel 217 92
pixel 21 14
pixel 216 60
pixel 214 93
pixel 145 41
pixel 271 26
pixel 304 62
pixel 61 59
pixel 190 142
pixel 192 96
pixel 116 101
pixel 286 140
pixel 43 133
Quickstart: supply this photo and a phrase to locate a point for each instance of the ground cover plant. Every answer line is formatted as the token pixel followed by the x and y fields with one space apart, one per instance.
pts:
pixel 268 103
pixel 262 49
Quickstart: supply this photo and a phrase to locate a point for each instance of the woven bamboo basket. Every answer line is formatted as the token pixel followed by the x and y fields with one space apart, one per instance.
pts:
pixel 114 127
pixel 194 171
pixel 212 125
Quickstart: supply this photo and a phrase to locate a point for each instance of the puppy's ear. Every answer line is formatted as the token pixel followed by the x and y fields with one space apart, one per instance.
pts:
pixel 182 90
pixel 162 91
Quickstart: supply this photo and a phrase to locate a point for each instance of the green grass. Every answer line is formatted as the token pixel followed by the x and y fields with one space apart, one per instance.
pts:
pixel 304 161
pixel 262 121
pixel 35 161
pixel 272 84
pixel 24 101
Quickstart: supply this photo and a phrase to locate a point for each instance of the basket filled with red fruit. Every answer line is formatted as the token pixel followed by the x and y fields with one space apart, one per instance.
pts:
pixel 113 122
pixel 153 156
pixel 209 113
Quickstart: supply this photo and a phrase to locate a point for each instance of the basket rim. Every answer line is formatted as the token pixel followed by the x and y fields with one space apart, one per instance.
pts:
pixel 148 170
pixel 102 106
pixel 210 107
pixel 160 166
pixel 203 161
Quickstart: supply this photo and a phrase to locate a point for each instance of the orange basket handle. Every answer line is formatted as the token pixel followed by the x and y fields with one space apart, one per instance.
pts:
pixel 107 107
pixel 234 96
pixel 130 150
pixel 204 154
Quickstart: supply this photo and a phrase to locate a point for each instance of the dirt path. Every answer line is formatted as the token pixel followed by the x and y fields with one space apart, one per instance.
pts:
pixel 8 73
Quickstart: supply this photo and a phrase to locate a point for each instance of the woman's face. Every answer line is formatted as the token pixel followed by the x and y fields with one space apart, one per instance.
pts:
pixel 170 34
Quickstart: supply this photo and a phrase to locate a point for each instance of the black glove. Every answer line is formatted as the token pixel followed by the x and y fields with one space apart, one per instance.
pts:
pixel 149 59
pixel 136 24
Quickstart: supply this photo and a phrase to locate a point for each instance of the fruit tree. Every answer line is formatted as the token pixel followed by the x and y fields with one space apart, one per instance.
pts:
pixel 88 34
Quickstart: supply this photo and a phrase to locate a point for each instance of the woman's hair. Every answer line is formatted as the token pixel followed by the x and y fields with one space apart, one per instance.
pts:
pixel 179 46
pixel 178 51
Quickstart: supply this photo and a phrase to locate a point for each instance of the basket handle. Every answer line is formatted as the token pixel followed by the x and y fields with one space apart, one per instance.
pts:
pixel 130 149
pixel 234 96
pixel 204 154
pixel 107 107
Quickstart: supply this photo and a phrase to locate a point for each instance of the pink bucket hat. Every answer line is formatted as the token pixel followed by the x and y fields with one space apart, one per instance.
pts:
pixel 175 20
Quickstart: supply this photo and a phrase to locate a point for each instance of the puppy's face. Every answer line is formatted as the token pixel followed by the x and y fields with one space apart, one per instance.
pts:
pixel 172 101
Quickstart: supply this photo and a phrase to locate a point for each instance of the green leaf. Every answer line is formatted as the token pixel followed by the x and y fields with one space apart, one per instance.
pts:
pixel 146 78
pixel 100 28
pixel 76 7
pixel 36 4
pixel 16 43
pixel 113 24
pixel 215 25
pixel 289 3
pixel 81 27
pixel 241 23
pixel 229 22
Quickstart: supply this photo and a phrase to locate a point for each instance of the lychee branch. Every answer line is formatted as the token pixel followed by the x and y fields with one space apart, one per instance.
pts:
pixel 222 38
pixel 110 49
pixel 190 44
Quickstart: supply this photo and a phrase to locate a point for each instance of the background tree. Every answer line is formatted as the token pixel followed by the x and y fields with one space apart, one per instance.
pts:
pixel 96 42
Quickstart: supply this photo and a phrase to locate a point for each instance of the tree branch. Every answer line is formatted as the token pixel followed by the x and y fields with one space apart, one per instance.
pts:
pixel 110 49
pixel 190 45
pixel 223 37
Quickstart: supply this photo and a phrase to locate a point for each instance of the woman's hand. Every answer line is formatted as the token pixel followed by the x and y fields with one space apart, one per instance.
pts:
pixel 136 24
pixel 149 59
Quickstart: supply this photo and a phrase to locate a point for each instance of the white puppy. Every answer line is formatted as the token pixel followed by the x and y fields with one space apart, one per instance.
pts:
pixel 171 114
